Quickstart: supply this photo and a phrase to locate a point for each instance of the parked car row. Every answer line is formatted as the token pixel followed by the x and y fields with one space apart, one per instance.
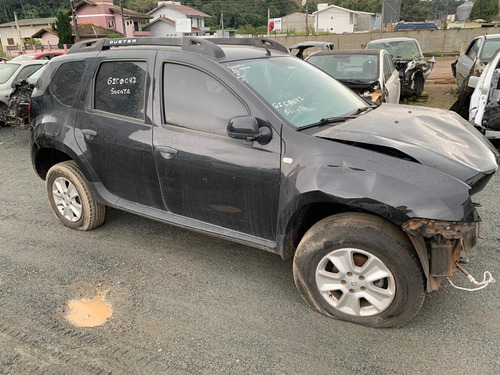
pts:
pixel 370 73
pixel 394 68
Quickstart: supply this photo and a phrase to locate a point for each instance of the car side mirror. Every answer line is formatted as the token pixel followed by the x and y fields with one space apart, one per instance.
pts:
pixel 247 128
pixel 473 82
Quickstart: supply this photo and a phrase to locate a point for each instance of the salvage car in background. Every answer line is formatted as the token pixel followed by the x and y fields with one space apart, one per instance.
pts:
pixel 310 45
pixel 11 73
pixel 477 54
pixel 17 108
pixel 484 107
pixel 371 73
pixel 409 61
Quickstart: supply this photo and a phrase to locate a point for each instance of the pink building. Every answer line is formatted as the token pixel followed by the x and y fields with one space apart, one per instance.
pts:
pixel 103 13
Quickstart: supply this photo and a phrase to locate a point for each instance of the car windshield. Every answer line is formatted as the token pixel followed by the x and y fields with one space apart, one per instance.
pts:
pixel 298 91
pixel 24 57
pixel 399 49
pixel 348 67
pixel 6 71
pixel 489 49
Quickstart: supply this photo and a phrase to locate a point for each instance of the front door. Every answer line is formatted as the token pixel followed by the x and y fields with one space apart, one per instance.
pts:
pixel 392 87
pixel 204 174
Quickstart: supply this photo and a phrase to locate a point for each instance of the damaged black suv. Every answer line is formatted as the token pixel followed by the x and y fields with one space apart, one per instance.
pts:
pixel 237 138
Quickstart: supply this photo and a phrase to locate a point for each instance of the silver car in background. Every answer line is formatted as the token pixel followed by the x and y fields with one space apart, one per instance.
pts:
pixel 409 61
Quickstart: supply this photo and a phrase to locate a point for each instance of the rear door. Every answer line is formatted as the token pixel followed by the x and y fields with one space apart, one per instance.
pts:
pixel 204 174
pixel 114 130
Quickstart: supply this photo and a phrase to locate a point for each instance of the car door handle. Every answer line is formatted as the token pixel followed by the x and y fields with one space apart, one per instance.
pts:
pixel 166 152
pixel 89 134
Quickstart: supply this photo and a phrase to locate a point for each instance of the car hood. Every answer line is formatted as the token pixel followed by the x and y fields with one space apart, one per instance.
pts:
pixel 436 138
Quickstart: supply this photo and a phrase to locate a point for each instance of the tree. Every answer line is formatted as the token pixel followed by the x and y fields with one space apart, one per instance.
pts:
pixel 484 9
pixel 414 11
pixel 62 27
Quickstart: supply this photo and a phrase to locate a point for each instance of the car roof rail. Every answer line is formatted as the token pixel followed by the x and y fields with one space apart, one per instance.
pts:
pixel 205 46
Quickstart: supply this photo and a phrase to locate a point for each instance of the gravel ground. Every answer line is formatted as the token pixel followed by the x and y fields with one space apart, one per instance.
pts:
pixel 187 303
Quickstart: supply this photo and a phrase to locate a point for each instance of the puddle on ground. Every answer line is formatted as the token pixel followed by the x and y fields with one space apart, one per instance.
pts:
pixel 89 313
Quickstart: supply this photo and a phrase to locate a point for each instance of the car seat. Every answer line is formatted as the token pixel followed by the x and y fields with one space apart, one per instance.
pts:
pixel 370 69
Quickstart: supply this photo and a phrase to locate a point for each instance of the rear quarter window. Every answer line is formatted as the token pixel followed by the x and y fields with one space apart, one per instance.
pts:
pixel 66 82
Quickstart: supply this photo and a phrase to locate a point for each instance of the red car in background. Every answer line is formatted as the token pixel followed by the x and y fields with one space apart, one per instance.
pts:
pixel 47 55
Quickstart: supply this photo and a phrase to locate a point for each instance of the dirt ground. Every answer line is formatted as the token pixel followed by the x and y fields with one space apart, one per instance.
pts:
pixel 440 86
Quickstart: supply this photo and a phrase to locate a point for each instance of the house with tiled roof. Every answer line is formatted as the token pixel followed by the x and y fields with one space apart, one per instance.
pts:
pixel 108 16
pixel 27 27
pixel 46 36
pixel 167 13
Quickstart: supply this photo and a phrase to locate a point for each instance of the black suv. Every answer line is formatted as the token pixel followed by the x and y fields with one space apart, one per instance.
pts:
pixel 237 138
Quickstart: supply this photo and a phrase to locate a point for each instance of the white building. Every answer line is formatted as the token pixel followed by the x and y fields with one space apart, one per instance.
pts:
pixel 337 20
pixel 166 14
pixel 164 26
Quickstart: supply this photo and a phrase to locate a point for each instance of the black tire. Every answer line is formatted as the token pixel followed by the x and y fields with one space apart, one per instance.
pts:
pixel 418 82
pixel 3 114
pixel 360 238
pixel 66 184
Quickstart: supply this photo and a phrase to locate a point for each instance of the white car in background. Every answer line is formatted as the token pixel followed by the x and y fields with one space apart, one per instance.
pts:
pixel 12 73
pixel 484 107
pixel 371 73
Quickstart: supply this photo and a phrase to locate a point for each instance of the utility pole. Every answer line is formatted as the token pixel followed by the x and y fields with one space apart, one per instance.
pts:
pixel 75 21
pixel 123 19
pixel 222 24
pixel 21 41
pixel 382 18
pixel 268 18
pixel 307 17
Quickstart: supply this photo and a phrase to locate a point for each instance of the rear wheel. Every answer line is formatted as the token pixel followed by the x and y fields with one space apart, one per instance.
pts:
pixel 359 268
pixel 71 199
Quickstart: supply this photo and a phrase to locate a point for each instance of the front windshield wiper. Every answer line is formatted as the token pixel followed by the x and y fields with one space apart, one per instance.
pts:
pixel 356 81
pixel 337 119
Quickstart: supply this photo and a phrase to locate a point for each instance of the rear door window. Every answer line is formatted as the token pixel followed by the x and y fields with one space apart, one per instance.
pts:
pixel 120 88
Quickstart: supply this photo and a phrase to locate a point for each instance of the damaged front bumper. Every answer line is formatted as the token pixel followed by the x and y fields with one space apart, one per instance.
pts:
pixel 413 74
pixel 440 245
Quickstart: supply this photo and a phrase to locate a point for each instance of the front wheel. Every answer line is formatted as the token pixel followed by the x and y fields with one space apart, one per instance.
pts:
pixel 71 199
pixel 359 268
